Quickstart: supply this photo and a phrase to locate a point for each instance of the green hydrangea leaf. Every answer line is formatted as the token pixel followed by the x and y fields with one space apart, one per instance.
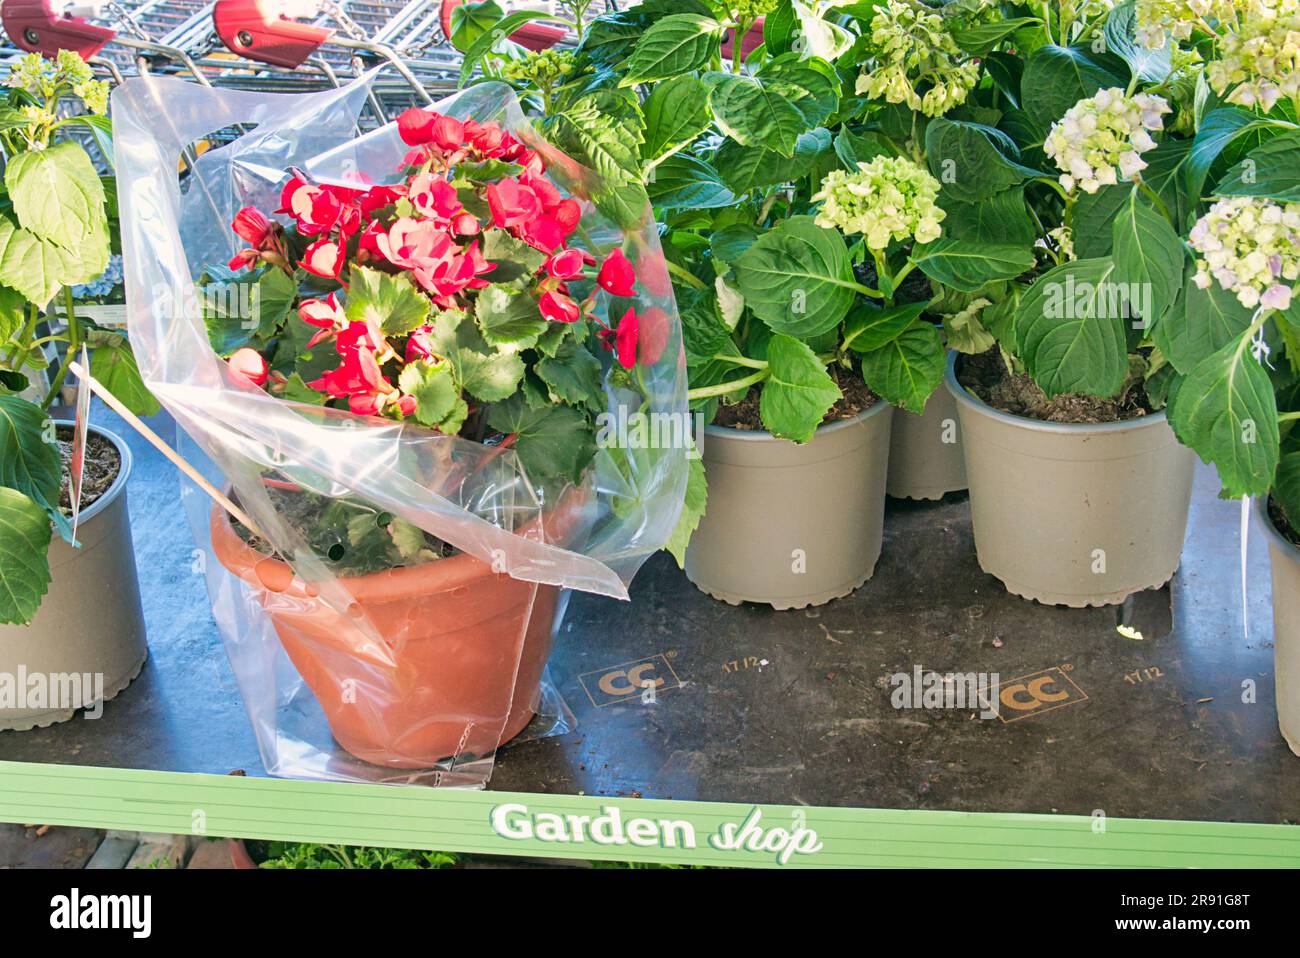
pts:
pixel 798 391
pixel 24 571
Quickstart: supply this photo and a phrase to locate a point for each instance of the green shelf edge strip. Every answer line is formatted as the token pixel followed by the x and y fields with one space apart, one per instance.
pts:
pixel 463 821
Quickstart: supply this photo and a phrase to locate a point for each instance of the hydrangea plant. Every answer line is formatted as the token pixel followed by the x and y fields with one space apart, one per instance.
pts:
pixel 54 235
pixel 909 174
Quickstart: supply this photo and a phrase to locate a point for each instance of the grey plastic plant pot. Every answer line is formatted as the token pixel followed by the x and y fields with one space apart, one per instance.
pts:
pixel 792 525
pixel 925 455
pixel 90 622
pixel 1075 515
pixel 1286 627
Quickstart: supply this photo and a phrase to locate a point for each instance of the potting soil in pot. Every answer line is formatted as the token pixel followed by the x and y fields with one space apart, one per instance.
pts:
pixel 100 467
pixel 856 397
pixel 1282 523
pixel 987 376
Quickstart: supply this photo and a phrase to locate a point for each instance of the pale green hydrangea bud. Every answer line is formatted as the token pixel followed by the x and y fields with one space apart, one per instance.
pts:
pixel 544 68
pixel 1251 247
pixel 747 11
pixel 1063 239
pixel 93 93
pixel 71 69
pixel 1158 20
pixel 44 80
pixel 1260 62
pixel 890 198
pixel 964 331
pixel 912 46
pixel 1101 138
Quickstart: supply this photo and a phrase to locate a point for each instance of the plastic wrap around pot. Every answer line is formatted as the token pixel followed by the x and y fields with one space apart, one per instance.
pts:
pixel 400 661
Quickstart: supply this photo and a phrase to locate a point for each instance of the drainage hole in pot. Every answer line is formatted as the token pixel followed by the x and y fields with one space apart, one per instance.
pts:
pixel 274 575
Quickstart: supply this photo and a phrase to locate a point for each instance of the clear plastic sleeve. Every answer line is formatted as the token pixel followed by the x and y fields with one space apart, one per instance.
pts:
pixel 418 672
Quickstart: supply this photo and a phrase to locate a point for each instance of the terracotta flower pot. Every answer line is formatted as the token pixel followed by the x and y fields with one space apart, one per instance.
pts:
pixel 787 524
pixel 90 623
pixel 925 455
pixel 1075 515
pixel 460 675
pixel 1286 627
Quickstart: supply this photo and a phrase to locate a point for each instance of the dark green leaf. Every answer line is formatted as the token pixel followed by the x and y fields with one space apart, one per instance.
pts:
pixel 490 375
pixel 672 46
pixel 676 112
pixel 798 392
pixel 770 110
pixel 574 375
pixel 728 243
pixel 27 462
pixel 1226 411
pixel 1219 129
pixel 1201 323
pixel 1150 66
pixel 115 367
pixel 966 265
pixel 1056 78
pixel 1000 218
pixel 745 168
pixel 1271 171
pixel 1070 328
pixel 797 278
pixel 971 161
pixel 983 37
pixel 854 148
pixel 516 261
pixel 684 181
pixel 508 318
pixel 869 327
pixel 552 442
pixel 1148 258
pixel 908 369
pixel 1094 216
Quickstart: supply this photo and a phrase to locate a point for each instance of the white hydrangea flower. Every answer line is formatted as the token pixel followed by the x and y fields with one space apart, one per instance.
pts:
pixel 1158 20
pixel 1260 61
pixel 1102 138
pixel 890 198
pixel 911 45
pixel 1251 247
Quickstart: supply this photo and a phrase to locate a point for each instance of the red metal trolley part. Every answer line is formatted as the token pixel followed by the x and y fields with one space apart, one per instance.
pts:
pixel 531 36
pixel 34 26
pixel 263 31
pixel 748 45
pixel 259 30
